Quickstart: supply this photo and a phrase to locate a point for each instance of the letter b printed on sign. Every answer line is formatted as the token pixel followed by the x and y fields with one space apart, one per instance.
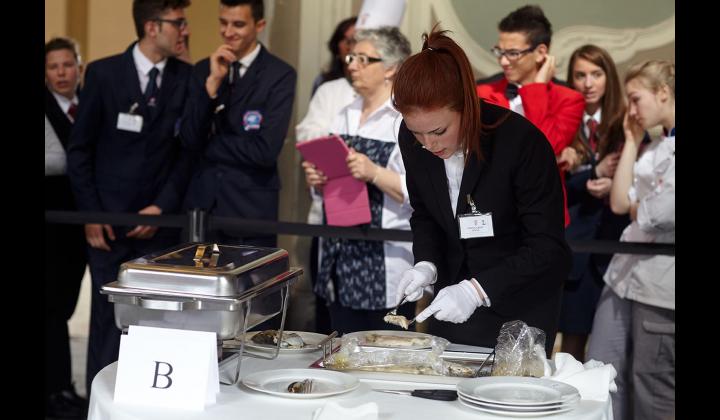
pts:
pixel 166 375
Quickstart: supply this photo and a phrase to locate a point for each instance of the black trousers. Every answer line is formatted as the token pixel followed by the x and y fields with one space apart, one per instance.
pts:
pixel 104 339
pixel 65 260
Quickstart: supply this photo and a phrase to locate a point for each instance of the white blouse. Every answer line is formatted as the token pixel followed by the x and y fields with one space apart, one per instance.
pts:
pixel 649 279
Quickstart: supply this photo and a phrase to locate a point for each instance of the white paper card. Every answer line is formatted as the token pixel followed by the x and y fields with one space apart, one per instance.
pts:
pixel 130 122
pixel 167 368
pixel 475 225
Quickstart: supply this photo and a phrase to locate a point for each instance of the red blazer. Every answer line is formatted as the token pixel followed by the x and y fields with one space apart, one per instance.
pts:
pixel 556 110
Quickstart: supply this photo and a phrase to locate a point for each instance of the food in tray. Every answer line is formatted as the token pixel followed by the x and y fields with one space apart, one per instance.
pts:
pixel 412 359
pixel 398 320
pixel 458 369
pixel 448 369
pixel 387 340
pixel 429 366
pixel 270 337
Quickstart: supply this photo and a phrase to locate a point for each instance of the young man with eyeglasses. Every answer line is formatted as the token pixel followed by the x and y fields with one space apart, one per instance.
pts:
pixel 527 87
pixel 125 155
pixel 236 120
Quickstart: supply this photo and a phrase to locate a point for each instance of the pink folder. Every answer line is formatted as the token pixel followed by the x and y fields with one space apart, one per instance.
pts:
pixel 346 198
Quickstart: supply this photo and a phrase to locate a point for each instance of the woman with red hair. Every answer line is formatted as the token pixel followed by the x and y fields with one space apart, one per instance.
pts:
pixel 488 219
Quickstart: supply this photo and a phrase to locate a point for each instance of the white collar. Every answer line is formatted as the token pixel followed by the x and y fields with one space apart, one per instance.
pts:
pixel 249 58
pixel 143 64
pixel 387 106
pixel 596 116
pixel 63 101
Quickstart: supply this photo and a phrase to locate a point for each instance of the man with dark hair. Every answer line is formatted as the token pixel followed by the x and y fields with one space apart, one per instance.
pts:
pixel 236 119
pixel 527 87
pixel 125 155
pixel 65 257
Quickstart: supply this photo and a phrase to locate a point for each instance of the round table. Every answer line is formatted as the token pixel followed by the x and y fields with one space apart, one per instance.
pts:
pixel 239 402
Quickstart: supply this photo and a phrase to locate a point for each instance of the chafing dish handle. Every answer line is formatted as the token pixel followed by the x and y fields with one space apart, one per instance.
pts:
pixel 168 305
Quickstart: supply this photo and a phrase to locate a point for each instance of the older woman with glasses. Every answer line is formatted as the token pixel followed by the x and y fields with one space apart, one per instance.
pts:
pixel 359 278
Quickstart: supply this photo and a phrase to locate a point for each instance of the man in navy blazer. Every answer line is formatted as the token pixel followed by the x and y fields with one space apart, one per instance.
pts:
pixel 125 155
pixel 241 100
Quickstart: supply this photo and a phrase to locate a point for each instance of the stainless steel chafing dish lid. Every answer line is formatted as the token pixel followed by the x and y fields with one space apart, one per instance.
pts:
pixel 203 269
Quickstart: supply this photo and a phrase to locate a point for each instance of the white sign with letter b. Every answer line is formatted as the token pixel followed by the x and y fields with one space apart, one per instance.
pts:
pixel 167 368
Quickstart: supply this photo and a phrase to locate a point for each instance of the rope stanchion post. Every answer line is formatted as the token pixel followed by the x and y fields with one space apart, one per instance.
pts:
pixel 197 225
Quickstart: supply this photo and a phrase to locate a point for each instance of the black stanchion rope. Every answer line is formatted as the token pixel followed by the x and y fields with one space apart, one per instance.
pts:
pixel 247 226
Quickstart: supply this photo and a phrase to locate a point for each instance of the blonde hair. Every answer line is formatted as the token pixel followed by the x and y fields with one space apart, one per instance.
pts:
pixel 653 74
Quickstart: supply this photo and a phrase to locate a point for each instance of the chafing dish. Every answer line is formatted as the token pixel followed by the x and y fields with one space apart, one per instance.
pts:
pixel 226 289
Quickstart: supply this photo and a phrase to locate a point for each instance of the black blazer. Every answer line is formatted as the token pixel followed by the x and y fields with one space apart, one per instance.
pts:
pixel 122 171
pixel 590 218
pixel 238 137
pixel 523 266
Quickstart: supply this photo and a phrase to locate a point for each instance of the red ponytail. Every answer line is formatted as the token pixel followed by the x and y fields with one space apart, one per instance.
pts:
pixel 440 76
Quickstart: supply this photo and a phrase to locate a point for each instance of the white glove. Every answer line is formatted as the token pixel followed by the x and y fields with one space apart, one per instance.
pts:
pixel 454 303
pixel 413 281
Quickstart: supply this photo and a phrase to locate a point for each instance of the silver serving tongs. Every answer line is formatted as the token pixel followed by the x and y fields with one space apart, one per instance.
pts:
pixel 394 311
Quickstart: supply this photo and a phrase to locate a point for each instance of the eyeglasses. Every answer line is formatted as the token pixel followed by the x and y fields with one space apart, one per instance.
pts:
pixel 180 23
pixel 348 40
pixel 363 59
pixel 511 55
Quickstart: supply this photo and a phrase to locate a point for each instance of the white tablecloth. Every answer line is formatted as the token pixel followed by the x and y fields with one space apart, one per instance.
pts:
pixel 239 402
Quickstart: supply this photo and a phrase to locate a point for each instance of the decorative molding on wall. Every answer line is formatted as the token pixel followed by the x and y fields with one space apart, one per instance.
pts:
pixel 622 44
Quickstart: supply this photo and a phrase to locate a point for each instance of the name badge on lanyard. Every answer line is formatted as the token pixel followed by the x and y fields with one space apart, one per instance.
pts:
pixel 475 224
pixel 130 121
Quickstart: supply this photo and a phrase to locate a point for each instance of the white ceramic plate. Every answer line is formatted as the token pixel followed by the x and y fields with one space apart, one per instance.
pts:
pixel 325 382
pixel 362 338
pixel 486 409
pixel 311 340
pixel 517 391
pixel 543 407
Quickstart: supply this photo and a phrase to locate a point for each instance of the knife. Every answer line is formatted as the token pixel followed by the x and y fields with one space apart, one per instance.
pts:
pixel 431 394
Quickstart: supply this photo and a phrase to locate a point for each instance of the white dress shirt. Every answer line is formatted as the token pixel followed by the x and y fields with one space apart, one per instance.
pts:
pixel 64 102
pixel 246 61
pixel 454 169
pixel 143 65
pixel 516 102
pixel 586 117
